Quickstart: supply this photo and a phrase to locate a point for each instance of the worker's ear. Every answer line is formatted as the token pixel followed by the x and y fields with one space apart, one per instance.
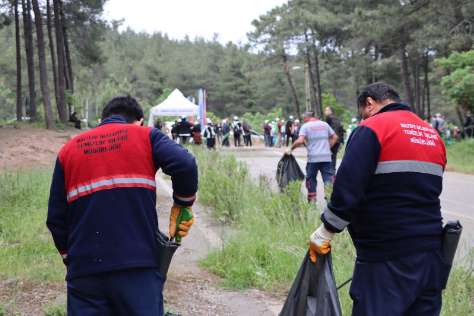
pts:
pixel 138 123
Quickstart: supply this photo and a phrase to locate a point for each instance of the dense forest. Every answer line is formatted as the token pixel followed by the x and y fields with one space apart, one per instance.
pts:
pixel 58 55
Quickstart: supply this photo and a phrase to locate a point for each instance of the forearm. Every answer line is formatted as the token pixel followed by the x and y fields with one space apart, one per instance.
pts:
pixel 332 141
pixel 297 143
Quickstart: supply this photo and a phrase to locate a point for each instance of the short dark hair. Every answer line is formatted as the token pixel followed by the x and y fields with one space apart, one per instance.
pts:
pixel 125 106
pixel 331 108
pixel 309 113
pixel 378 91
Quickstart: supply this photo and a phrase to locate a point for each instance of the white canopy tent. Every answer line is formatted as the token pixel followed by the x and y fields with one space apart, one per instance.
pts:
pixel 174 105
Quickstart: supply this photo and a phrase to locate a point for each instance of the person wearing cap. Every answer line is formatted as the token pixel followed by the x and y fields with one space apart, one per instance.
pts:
pixel 295 131
pixel 387 195
pixel 320 137
pixel 267 129
pixel 278 126
pixel 274 127
pixel 196 132
pixel 185 130
pixel 218 130
pixel 209 134
pixel 237 129
pixel 289 131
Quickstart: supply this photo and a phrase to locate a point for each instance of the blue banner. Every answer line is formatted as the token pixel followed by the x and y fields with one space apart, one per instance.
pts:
pixel 201 108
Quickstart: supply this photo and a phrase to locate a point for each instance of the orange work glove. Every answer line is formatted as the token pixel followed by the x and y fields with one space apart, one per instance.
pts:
pixel 288 152
pixel 183 226
pixel 320 242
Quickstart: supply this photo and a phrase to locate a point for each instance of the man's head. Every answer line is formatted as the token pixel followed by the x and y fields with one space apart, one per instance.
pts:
pixel 124 106
pixel 74 114
pixel 308 116
pixel 291 118
pixel 329 110
pixel 374 97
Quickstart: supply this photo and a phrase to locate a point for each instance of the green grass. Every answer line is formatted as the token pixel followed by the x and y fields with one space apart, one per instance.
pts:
pixel 271 235
pixel 26 246
pixel 59 310
pixel 461 156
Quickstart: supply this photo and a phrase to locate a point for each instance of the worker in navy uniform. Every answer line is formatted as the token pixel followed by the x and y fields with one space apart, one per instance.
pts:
pixel 102 211
pixel 387 195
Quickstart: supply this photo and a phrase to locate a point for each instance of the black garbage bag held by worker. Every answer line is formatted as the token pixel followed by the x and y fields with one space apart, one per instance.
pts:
pixel 313 292
pixel 102 211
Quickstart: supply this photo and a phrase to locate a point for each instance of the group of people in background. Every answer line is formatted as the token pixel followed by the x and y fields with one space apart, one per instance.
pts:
pixel 449 133
pixel 278 133
pixel 185 132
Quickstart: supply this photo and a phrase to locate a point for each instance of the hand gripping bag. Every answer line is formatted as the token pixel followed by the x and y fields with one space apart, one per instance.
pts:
pixel 314 291
pixel 288 170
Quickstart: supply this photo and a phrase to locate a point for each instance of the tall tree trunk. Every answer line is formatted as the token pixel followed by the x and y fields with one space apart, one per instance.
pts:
pixel 407 93
pixel 18 64
pixel 311 80
pixel 368 66
pixel 417 84
pixel 30 59
pixel 62 106
pixel 318 82
pixel 462 24
pixel 48 110
pixel 428 90
pixel 425 87
pixel 53 54
pixel 293 92
pixel 69 78
pixel 376 58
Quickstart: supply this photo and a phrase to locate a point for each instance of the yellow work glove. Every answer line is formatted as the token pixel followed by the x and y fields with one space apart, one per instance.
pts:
pixel 320 242
pixel 184 225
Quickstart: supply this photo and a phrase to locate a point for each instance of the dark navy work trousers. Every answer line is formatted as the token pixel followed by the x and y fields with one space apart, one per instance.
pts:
pixel 123 292
pixel 407 286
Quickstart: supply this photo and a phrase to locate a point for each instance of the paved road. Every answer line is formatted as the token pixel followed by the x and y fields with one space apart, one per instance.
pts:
pixel 457 198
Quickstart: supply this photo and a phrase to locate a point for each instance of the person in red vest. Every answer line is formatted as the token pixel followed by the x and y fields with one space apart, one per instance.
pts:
pixel 102 211
pixel 387 195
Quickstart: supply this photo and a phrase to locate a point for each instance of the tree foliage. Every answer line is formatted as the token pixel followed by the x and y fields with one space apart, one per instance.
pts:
pixel 459 84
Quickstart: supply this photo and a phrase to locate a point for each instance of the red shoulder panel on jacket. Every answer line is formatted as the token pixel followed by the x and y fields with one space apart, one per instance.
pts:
pixel 404 136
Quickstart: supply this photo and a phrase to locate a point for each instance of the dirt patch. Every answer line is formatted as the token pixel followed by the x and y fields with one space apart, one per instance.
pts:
pixel 31 147
pixel 27 298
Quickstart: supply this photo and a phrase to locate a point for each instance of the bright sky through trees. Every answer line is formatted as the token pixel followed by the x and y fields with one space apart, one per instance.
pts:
pixel 231 19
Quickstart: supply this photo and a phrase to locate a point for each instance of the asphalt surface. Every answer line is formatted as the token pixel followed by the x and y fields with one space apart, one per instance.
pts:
pixel 457 198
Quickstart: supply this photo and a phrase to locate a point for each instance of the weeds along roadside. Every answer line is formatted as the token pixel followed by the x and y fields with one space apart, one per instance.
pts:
pixel 271 235
pixel 27 251
pixel 460 156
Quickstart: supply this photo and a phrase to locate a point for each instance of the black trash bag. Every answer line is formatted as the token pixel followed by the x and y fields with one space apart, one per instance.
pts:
pixel 171 314
pixel 314 291
pixel 165 250
pixel 288 170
